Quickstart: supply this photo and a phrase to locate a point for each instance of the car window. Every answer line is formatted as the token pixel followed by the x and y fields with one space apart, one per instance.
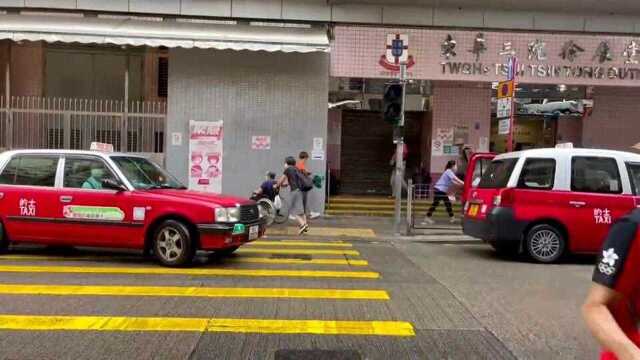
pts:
pixel 480 168
pixel 143 174
pixel 595 175
pixel 537 174
pixel 31 170
pixel 85 173
pixel 634 176
pixel 498 174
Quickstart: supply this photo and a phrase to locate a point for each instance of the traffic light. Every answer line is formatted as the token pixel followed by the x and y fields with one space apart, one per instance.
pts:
pixel 392 103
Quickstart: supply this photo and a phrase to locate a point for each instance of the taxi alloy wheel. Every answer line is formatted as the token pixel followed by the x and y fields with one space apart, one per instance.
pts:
pixel 545 243
pixel 173 244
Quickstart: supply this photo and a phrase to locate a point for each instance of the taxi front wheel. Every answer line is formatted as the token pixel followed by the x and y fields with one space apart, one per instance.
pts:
pixel 173 244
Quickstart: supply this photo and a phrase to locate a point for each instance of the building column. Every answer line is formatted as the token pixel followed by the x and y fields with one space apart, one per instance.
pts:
pixel 463 104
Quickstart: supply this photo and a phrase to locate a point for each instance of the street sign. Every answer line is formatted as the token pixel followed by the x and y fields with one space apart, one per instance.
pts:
pixel 504 126
pixel 504 108
pixel 505 89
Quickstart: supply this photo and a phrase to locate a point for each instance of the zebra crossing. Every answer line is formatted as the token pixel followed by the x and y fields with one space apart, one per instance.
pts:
pixel 331 272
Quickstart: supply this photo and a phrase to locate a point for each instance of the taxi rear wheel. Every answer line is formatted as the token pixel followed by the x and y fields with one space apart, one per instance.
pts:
pixel 173 244
pixel 545 243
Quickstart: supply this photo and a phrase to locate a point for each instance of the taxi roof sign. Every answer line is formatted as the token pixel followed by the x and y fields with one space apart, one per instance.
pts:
pixel 104 147
pixel 505 89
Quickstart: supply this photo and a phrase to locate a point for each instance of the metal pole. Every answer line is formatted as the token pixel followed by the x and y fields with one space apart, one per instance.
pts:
pixel 399 158
pixel 9 133
pixel 124 132
pixel 510 138
pixel 410 190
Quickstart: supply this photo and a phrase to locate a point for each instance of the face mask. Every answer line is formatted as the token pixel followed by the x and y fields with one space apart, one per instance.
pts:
pixel 97 173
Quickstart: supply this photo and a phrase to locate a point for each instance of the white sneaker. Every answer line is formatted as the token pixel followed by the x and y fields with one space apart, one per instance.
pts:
pixel 453 220
pixel 314 215
pixel 291 217
pixel 428 221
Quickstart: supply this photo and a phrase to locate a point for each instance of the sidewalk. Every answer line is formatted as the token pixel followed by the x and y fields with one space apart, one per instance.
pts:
pixel 378 228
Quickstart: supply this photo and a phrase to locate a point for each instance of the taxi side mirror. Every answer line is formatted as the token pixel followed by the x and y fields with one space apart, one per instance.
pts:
pixel 113 184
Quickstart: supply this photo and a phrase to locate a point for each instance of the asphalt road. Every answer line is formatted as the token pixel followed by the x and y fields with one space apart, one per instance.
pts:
pixel 533 309
pixel 324 298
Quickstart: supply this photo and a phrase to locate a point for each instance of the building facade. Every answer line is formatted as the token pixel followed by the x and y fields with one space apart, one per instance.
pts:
pixel 268 69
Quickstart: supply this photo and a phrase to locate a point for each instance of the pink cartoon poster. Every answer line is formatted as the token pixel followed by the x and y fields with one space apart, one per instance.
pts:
pixel 205 156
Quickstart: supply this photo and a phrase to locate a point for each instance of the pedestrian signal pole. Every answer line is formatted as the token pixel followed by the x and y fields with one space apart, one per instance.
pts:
pixel 399 141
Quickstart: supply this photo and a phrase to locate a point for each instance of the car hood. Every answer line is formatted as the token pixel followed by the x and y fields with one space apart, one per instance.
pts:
pixel 209 198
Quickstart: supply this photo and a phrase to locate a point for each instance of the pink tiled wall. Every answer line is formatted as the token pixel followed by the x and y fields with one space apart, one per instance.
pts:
pixel 356 51
pixel 614 123
pixel 461 104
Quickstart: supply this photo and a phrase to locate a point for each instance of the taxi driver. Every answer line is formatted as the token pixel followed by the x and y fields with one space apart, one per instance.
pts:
pixel 94 181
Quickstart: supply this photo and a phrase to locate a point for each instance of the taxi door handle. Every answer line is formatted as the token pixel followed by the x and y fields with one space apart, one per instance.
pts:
pixel 577 203
pixel 66 198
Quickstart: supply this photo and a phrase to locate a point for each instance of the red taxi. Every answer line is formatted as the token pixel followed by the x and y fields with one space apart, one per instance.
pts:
pixel 97 199
pixel 547 202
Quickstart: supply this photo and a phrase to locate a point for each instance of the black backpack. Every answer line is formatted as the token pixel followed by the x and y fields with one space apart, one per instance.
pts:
pixel 304 182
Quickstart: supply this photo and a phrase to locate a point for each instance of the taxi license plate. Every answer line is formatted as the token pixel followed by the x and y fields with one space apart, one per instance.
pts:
pixel 473 210
pixel 253 232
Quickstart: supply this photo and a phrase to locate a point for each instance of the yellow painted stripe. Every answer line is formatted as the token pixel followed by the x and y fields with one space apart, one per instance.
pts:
pixel 300 243
pixel 176 324
pixel 252 250
pixel 238 260
pixel 178 291
pixel 191 271
pixel 326 231
pixel 259 260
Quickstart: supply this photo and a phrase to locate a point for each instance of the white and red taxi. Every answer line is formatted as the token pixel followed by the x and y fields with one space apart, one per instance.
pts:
pixel 546 202
pixel 98 199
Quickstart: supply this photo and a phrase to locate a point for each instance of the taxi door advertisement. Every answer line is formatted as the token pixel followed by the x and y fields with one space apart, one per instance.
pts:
pixel 205 156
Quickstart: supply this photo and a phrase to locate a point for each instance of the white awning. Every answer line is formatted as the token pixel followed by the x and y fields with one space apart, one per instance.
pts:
pixel 134 32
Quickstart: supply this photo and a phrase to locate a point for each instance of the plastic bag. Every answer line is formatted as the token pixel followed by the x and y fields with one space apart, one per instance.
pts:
pixel 277 202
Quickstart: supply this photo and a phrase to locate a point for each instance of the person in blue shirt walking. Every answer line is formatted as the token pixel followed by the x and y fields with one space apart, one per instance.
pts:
pixel 441 191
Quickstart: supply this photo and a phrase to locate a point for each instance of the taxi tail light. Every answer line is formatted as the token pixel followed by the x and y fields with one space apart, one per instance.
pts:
pixel 504 198
pixel 466 207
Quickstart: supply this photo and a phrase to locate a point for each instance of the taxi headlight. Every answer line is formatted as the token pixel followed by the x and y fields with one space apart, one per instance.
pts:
pixel 262 212
pixel 222 215
pixel 233 214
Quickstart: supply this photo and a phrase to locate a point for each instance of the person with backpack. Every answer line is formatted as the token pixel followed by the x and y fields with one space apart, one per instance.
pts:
pixel 298 183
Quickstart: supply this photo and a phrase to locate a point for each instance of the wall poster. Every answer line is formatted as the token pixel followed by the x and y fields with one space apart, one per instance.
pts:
pixel 205 156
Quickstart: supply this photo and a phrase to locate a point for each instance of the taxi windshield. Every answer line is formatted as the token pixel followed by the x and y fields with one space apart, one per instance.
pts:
pixel 145 175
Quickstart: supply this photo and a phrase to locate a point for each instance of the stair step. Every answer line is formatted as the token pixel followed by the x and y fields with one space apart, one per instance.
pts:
pixel 381 213
pixel 353 206
pixel 377 201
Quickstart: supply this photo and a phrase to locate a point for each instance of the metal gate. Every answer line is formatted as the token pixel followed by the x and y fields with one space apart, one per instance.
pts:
pixel 57 123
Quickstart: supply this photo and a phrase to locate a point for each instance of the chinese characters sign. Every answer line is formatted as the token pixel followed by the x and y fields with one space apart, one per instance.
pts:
pixel 27 207
pixel 602 216
pixel 205 160
pixel 456 55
